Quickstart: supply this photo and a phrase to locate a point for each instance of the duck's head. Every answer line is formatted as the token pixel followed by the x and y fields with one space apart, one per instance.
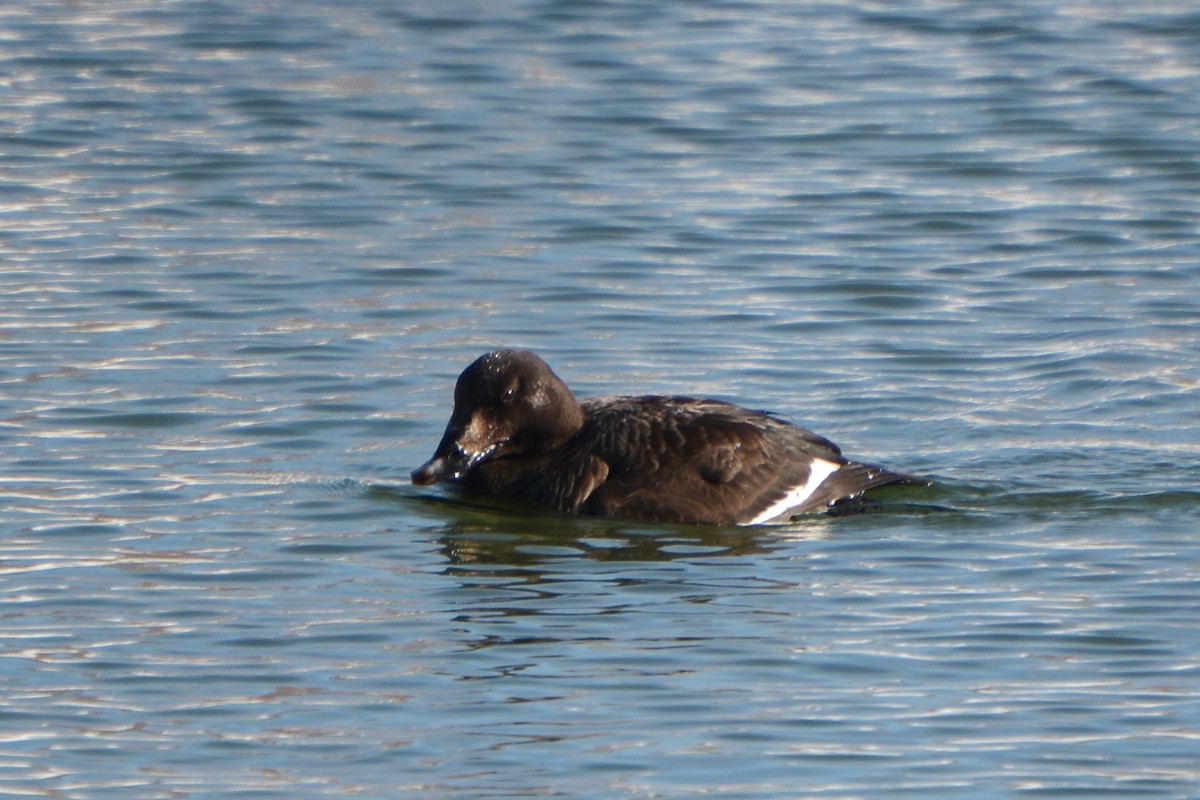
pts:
pixel 507 404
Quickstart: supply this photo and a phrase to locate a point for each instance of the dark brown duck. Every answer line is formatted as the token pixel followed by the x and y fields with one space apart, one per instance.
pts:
pixel 517 432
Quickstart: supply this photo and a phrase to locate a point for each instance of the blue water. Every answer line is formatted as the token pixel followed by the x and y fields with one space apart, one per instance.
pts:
pixel 246 248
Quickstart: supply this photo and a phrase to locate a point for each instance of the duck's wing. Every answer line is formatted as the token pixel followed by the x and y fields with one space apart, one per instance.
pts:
pixel 686 460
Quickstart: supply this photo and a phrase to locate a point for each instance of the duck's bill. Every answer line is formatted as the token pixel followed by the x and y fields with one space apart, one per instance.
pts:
pixel 434 470
pixel 449 466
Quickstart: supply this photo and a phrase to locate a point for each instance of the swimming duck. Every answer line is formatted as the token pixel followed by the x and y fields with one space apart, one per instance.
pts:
pixel 517 432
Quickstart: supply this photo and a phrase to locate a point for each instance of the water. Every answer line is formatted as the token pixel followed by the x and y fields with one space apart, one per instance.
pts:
pixel 247 247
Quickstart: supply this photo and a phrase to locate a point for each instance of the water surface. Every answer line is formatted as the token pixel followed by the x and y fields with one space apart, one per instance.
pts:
pixel 246 249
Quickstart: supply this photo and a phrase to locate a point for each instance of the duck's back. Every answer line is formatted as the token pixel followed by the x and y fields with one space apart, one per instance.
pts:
pixel 680 459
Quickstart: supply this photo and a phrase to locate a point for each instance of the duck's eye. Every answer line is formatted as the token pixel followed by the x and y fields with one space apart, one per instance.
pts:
pixel 509 394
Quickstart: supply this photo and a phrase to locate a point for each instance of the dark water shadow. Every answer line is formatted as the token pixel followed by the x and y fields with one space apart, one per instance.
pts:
pixel 488 532
pixel 475 531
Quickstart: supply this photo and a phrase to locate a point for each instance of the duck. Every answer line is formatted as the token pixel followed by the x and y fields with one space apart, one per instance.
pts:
pixel 518 433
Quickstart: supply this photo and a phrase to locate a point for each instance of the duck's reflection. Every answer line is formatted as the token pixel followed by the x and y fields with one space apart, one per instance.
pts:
pixel 525 590
pixel 495 535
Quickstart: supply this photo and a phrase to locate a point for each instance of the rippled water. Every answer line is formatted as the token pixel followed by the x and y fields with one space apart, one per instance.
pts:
pixel 247 247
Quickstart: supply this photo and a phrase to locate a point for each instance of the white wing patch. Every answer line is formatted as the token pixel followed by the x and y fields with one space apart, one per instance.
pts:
pixel 818 471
